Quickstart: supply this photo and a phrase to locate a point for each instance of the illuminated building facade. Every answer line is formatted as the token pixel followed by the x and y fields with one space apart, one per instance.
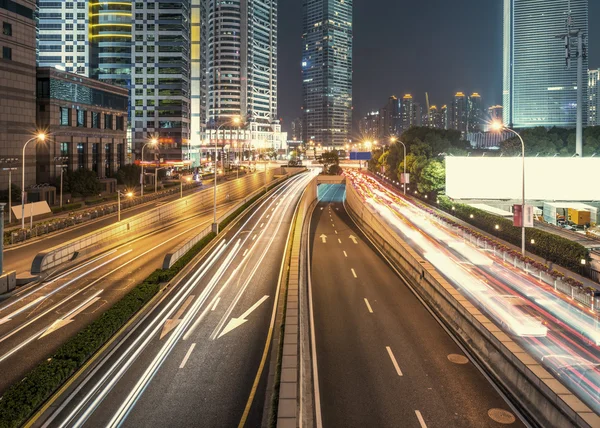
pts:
pixel 327 71
pixel 538 87
pixel 594 97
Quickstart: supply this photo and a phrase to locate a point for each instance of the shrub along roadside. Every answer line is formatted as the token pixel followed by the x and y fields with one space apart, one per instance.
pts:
pixel 22 399
pixel 551 247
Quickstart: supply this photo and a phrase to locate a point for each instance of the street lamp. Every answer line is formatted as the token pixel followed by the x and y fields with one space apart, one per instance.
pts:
pixel 10 169
pixel 234 121
pixel 129 195
pixel 62 167
pixel 396 140
pixel 153 142
pixel 40 137
pixel 498 127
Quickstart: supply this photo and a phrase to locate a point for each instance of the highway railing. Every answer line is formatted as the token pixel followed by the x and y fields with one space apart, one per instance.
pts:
pixel 142 223
pixel 538 392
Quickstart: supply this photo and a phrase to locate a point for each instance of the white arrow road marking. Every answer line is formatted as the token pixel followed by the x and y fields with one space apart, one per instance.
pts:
pixel 236 322
pixel 68 319
pixel 170 324
pixel 353 239
pixel 9 317
pixel 323 238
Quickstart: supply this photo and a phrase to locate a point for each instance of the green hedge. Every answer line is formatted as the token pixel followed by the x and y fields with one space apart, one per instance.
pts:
pixel 68 207
pixel 22 399
pixel 551 247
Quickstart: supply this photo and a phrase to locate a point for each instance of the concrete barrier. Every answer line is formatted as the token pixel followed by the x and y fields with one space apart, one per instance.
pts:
pixel 142 223
pixel 538 392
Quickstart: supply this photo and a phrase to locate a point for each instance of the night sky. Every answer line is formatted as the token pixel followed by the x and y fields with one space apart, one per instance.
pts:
pixel 407 46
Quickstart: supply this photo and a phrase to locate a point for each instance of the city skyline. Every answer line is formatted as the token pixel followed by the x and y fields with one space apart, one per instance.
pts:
pixel 483 71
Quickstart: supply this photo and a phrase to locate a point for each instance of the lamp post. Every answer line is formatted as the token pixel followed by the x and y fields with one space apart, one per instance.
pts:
pixel 40 137
pixel 62 167
pixel 152 142
pixel 395 140
pixel 235 121
pixel 498 126
pixel 10 169
pixel 128 194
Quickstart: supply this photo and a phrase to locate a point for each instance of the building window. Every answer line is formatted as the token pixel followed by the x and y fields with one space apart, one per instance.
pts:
pixel 7 29
pixel 65 116
pixel 82 118
pixel 120 123
pixel 95 120
pixel 95 155
pixel 120 156
pixel 64 150
pixel 80 156
pixel 6 53
pixel 108 121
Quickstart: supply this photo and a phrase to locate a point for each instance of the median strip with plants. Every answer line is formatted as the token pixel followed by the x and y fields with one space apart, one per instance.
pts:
pixel 22 399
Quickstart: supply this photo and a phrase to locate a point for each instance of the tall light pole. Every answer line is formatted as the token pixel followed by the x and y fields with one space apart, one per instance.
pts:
pixel 498 126
pixel 129 195
pixel 40 137
pixel 396 140
pixel 10 169
pixel 235 121
pixel 62 167
pixel 152 142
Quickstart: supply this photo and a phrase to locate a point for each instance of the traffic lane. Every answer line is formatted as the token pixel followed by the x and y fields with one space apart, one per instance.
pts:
pixel 219 370
pixel 359 379
pixel 22 350
pixel 93 386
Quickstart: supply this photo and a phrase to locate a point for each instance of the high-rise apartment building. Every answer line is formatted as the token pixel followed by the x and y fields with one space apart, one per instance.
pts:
pixel 594 97
pixel 161 78
pixel 459 113
pixel 475 115
pixel 540 86
pixel 199 50
pixel 391 117
pixel 369 126
pixel 445 117
pixel 17 78
pixel 436 118
pixel 407 112
pixel 327 71
pixel 242 69
pixel 64 35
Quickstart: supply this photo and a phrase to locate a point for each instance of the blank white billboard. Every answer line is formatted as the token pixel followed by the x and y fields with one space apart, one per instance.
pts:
pixel 550 179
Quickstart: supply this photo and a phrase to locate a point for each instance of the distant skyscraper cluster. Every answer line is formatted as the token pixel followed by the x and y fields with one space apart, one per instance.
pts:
pixel 465 114
pixel 540 64
pixel 327 72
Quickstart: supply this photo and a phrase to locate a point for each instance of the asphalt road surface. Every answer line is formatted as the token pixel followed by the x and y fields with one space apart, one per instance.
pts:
pixel 383 360
pixel 197 358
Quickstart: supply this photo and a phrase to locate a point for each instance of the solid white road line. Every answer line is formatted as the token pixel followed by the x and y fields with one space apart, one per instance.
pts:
pixel 345 254
pixel 187 356
pixel 217 302
pixel 354 273
pixel 245 252
pixel 420 418
pixel 368 305
pixel 394 362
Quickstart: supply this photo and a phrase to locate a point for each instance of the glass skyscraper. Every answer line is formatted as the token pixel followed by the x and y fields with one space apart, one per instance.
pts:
pixel 539 89
pixel 327 72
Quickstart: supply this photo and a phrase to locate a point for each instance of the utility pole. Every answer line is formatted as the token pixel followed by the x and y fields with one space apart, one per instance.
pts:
pixel 581 54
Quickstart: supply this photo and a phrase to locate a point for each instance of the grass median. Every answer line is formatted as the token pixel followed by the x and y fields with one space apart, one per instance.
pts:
pixel 21 400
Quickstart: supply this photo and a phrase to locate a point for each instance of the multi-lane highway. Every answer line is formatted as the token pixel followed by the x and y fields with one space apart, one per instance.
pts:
pixel 559 333
pixel 39 318
pixel 382 359
pixel 198 358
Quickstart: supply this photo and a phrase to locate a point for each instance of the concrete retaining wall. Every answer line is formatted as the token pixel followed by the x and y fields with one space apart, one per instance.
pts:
pixel 142 223
pixel 547 400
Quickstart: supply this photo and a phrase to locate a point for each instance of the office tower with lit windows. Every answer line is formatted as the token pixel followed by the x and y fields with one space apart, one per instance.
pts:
pixel 242 72
pixel 594 97
pixel 407 112
pixel 327 71
pixel 161 79
pixel 198 77
pixel 539 84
